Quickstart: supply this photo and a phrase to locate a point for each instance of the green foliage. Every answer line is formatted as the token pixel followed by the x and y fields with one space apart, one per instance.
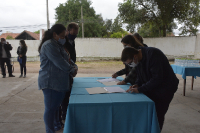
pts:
pixel 157 15
pixel 37 32
pixel 191 20
pixel 94 25
pixel 9 37
pixel 117 25
pixel 71 12
pixel 118 34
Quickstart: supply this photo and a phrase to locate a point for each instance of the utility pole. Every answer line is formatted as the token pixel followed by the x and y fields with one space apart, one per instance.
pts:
pixel 82 22
pixel 47 15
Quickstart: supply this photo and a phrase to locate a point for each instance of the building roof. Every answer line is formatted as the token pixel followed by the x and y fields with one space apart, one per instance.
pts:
pixel 4 35
pixel 34 35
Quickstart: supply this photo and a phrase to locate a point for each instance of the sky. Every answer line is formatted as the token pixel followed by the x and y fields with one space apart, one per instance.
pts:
pixel 20 15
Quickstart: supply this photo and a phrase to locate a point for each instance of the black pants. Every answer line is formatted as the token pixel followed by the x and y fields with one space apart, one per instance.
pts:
pixel 23 65
pixel 7 61
pixel 64 105
pixel 162 106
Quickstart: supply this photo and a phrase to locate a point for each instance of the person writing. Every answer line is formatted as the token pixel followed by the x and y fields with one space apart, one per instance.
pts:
pixel 135 41
pixel 54 74
pixel 21 51
pixel 155 77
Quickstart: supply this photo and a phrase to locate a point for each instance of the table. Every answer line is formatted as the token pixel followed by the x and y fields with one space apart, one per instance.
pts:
pixel 186 71
pixel 109 113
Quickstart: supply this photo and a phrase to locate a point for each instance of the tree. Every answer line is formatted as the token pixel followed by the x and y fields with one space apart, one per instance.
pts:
pixel 37 32
pixel 71 12
pixel 119 34
pixel 107 28
pixel 191 20
pixel 117 25
pixel 160 13
pixel 9 37
pixel 151 30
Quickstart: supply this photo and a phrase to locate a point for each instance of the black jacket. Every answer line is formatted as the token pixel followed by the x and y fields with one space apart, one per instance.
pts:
pixel 7 48
pixel 71 48
pixel 22 51
pixel 130 74
pixel 155 77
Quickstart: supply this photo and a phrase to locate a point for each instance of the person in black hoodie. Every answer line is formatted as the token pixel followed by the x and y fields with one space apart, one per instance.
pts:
pixel 5 56
pixel 72 32
pixel 69 46
pixel 155 77
pixel 135 41
pixel 21 51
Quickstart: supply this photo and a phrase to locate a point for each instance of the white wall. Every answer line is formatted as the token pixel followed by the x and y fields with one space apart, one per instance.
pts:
pixel 197 47
pixel 108 47
pixel 32 47
pixel 98 47
pixel 174 46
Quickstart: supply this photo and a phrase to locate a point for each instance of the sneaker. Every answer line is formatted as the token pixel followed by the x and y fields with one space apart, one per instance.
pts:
pixel 11 76
pixel 20 76
pixel 4 76
pixel 24 76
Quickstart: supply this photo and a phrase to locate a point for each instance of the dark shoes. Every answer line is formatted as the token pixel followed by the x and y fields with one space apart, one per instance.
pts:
pixel 4 76
pixel 11 76
pixel 22 76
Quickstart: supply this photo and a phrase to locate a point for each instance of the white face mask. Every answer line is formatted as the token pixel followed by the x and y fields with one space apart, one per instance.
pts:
pixel 133 64
pixel 125 46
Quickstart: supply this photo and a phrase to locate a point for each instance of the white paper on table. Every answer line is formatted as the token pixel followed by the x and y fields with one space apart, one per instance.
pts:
pixel 96 90
pixel 109 80
pixel 114 89
pixel 109 83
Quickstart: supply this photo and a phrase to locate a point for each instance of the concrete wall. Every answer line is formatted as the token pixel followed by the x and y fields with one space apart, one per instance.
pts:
pixel 104 48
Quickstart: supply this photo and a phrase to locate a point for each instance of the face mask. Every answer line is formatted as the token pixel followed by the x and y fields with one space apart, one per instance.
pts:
pixel 72 37
pixel 133 64
pixel 4 42
pixel 62 41
pixel 125 46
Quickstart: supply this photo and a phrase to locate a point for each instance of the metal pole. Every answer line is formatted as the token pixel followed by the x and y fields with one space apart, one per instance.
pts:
pixel 82 22
pixel 47 15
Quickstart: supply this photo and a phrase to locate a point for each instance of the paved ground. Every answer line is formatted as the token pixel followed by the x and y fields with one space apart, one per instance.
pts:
pixel 21 106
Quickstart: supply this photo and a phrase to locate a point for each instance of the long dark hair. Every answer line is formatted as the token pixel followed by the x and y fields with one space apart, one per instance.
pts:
pixel 137 35
pixel 57 28
pixel 23 43
pixel 131 40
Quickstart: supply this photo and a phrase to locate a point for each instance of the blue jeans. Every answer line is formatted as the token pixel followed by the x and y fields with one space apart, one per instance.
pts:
pixel 52 101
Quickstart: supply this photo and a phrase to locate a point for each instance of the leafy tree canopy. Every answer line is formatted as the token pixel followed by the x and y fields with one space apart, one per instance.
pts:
pixel 157 14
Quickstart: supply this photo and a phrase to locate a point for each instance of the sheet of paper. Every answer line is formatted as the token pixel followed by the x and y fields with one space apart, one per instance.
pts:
pixel 114 89
pixel 96 90
pixel 108 80
pixel 109 83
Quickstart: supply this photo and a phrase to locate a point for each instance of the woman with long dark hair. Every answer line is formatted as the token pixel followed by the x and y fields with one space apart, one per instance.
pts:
pixel 53 77
pixel 21 51
pixel 135 41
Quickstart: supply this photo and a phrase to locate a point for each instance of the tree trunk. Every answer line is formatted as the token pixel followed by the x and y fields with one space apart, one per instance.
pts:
pixel 164 31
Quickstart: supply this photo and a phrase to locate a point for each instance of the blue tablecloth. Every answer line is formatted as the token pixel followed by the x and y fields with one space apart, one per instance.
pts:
pixel 186 71
pixel 109 113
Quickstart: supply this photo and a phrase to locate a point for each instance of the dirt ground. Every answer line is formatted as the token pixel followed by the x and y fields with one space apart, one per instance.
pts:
pixel 84 67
